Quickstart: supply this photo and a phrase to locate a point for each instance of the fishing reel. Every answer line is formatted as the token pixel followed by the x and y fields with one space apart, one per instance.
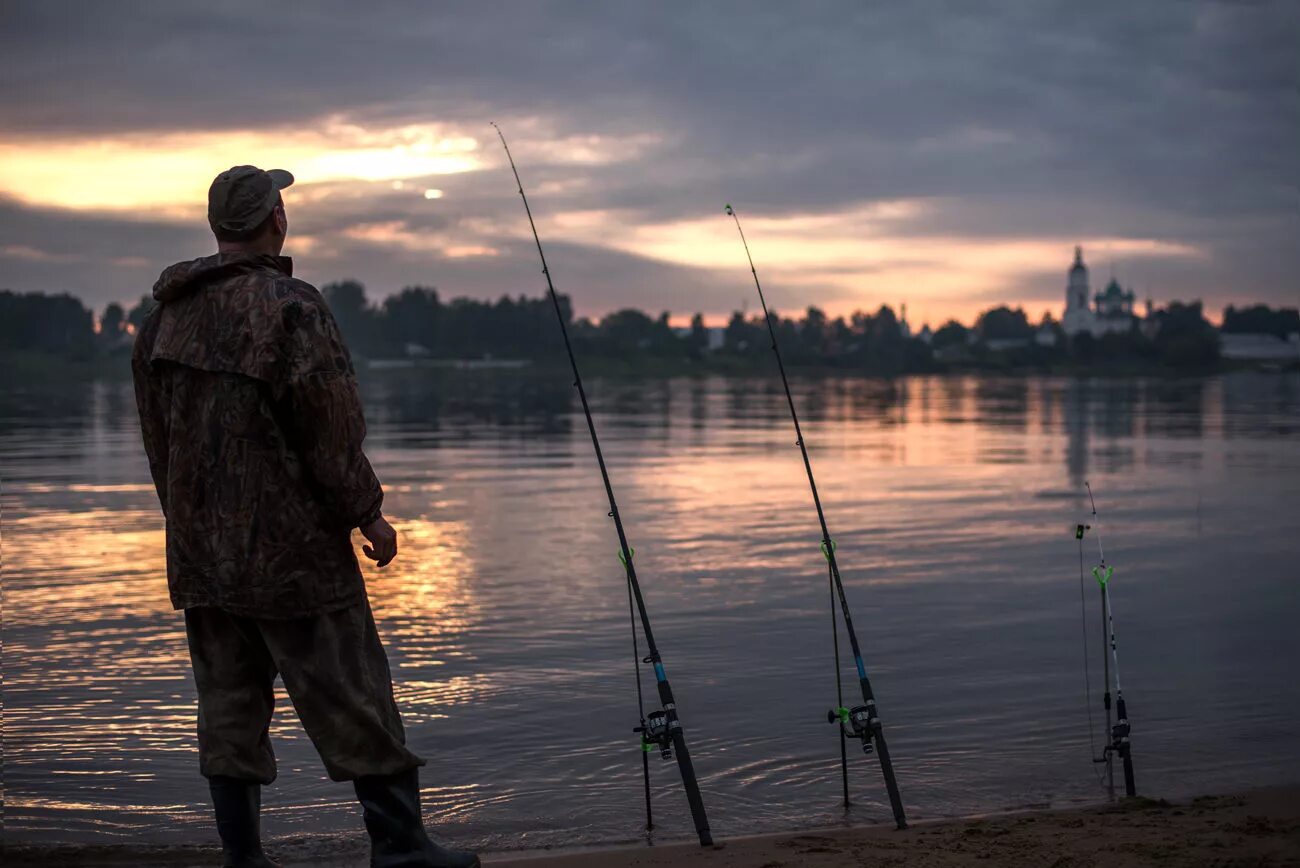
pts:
pixel 1119 732
pixel 658 732
pixel 859 722
pixel 1120 745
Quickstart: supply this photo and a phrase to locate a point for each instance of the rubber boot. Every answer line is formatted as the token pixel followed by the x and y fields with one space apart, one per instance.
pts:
pixel 237 805
pixel 390 805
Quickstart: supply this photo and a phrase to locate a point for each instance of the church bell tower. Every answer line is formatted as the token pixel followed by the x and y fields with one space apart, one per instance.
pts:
pixel 1078 315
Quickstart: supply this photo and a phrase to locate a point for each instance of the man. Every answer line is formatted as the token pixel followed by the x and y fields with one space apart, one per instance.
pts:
pixel 253 427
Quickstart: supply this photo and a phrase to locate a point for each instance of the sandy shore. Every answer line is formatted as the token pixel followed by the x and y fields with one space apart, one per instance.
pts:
pixel 1259 828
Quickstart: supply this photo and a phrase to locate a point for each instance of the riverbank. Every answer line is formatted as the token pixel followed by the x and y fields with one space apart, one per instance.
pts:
pixel 45 368
pixel 1258 828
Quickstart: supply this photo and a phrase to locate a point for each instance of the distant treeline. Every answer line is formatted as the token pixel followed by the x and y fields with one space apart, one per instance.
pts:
pixel 417 322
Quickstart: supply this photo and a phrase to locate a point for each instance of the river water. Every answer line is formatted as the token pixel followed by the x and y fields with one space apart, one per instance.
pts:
pixel 952 501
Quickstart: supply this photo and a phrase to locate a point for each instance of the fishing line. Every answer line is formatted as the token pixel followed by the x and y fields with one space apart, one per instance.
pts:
pixel 1087 672
pixel 839 686
pixel 862 722
pixel 1105 588
pixel 661 728
pixel 640 710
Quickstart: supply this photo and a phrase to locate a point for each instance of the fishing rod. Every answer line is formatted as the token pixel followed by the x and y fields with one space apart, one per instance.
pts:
pixel 1079 531
pixel 660 728
pixel 861 722
pixel 1118 727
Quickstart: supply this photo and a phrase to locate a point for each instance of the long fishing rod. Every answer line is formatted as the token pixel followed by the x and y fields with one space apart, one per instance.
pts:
pixel 1109 773
pixel 1120 729
pixel 660 728
pixel 861 722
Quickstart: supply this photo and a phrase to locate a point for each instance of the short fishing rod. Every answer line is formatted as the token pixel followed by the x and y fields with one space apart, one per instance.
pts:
pixel 660 728
pixel 1120 729
pixel 861 722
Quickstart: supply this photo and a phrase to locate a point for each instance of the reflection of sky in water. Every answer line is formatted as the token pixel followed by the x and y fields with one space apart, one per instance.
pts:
pixel 505 614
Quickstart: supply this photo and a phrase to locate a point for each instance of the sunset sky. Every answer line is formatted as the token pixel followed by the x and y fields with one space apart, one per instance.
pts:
pixel 944 155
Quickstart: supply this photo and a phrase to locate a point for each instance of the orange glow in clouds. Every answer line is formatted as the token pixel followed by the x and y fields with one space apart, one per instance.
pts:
pixel 856 257
pixel 171 172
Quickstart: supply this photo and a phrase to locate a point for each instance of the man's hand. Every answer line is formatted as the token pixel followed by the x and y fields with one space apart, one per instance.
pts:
pixel 383 539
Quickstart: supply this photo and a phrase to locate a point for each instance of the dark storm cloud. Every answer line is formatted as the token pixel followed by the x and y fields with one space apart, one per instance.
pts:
pixel 1172 120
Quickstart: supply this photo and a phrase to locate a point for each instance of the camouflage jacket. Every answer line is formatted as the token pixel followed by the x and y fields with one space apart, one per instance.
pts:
pixel 253 427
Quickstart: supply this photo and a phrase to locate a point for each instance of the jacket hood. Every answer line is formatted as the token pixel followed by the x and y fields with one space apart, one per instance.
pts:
pixel 183 278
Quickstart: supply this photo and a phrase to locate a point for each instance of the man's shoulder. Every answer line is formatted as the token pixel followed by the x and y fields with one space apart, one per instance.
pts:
pixel 297 290
pixel 301 304
pixel 274 288
pixel 279 297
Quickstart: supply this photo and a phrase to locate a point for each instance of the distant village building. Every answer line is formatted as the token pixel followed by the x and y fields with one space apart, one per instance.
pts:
pixel 415 351
pixel 1002 345
pixel 1260 347
pixel 1110 311
pixel 716 336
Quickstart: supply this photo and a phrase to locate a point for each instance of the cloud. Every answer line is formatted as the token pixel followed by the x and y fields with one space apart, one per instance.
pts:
pixel 172 171
pixel 28 253
pixel 1163 135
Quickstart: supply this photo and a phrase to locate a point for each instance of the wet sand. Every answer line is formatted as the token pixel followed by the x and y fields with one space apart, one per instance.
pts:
pixel 1259 828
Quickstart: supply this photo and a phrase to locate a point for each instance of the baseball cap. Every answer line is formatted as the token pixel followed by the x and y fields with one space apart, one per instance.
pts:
pixel 241 197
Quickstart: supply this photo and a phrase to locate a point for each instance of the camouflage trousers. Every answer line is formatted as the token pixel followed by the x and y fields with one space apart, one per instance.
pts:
pixel 335 672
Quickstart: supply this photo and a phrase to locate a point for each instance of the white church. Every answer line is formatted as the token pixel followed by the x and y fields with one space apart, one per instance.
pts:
pixel 1110 311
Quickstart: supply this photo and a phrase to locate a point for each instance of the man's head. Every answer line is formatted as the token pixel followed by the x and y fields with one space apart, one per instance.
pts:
pixel 246 212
